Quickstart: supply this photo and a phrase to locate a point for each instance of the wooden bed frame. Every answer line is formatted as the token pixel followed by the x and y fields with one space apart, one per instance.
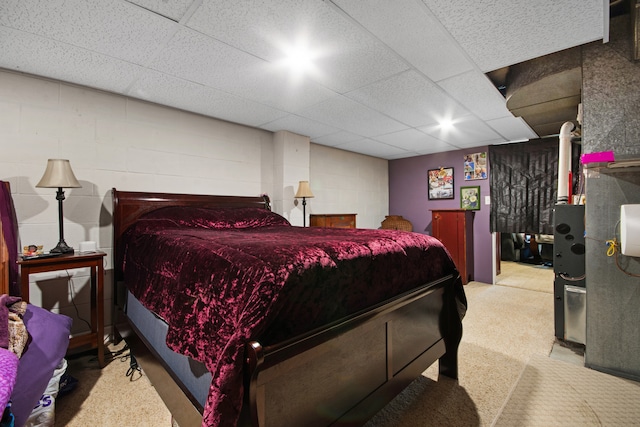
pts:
pixel 340 375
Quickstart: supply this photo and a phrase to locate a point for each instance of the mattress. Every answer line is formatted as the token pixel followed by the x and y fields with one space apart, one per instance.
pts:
pixel 193 374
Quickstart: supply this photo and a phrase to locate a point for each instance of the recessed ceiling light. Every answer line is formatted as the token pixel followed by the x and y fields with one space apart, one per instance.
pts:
pixel 299 58
pixel 446 124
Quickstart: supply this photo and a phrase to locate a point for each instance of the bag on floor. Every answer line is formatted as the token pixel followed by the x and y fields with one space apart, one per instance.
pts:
pixel 43 415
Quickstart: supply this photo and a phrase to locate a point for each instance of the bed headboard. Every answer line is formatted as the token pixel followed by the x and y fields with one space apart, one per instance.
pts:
pixel 128 206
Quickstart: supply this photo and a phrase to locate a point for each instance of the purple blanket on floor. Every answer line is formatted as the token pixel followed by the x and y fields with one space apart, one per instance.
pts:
pixel 222 277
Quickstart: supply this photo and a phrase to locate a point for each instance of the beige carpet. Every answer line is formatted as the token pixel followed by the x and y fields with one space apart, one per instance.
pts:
pixel 554 393
pixel 504 327
pixel 526 276
pixel 108 397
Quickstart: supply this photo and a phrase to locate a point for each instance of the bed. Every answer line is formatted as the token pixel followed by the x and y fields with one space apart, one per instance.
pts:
pixel 239 318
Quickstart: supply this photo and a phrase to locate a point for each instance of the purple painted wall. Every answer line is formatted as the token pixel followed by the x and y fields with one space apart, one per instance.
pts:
pixel 408 191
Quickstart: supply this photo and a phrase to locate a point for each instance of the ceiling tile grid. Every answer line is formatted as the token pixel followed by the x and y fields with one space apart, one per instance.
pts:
pixel 348 115
pixel 113 28
pixel 383 74
pixel 345 57
pixel 467 131
pixel 300 125
pixel 174 9
pixel 33 54
pixel 474 90
pixel 414 141
pixel 408 28
pixel 201 59
pixel 376 149
pixel 338 138
pixel 409 98
pixel 512 128
pixel 499 33
pixel 189 96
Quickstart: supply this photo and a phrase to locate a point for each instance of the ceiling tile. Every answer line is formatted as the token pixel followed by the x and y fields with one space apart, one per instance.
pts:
pixel 299 125
pixel 174 9
pixel 350 116
pixel 383 71
pixel 498 33
pixel 409 98
pixel 414 140
pixel 373 148
pixel 513 128
pixel 465 131
pixel 33 54
pixel 410 29
pixel 162 89
pixel 475 91
pixel 199 58
pixel 337 138
pixel 345 56
pixel 117 29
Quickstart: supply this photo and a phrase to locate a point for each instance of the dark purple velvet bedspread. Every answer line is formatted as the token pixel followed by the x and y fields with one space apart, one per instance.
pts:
pixel 223 277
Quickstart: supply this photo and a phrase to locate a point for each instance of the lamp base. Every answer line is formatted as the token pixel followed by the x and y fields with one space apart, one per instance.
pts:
pixel 62 248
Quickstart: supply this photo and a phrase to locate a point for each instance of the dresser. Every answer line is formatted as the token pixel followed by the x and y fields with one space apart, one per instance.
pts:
pixel 454 228
pixel 333 220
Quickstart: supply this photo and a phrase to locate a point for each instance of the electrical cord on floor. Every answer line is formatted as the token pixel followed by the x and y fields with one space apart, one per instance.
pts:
pixel 113 355
pixel 134 372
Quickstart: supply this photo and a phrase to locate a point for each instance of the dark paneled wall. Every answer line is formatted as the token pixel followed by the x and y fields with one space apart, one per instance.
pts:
pixel 611 108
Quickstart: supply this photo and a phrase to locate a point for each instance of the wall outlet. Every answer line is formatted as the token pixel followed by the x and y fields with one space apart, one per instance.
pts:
pixel 487 200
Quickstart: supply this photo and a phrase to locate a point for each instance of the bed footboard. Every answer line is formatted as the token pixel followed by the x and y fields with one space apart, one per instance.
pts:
pixel 346 373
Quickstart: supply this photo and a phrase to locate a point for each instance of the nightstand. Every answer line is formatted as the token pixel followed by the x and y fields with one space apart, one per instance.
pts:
pixel 93 260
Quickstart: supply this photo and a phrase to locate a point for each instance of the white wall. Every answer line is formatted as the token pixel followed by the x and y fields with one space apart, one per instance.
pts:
pixel 344 182
pixel 114 141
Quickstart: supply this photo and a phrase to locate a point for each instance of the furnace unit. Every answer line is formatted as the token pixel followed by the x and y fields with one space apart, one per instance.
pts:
pixel 569 270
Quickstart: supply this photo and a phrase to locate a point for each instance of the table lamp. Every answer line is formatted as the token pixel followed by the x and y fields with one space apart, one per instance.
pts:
pixel 304 192
pixel 59 175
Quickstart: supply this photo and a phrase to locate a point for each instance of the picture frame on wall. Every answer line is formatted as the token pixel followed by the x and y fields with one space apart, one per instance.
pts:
pixel 475 166
pixel 470 198
pixel 440 183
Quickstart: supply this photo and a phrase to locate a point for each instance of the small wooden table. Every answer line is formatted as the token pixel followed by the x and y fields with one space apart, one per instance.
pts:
pixel 93 260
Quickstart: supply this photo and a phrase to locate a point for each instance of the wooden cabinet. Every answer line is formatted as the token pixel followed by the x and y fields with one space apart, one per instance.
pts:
pixel 333 220
pixel 454 228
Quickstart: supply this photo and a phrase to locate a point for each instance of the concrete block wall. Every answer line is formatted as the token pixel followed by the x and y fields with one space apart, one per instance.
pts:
pixel 111 141
pixel 115 141
pixel 349 184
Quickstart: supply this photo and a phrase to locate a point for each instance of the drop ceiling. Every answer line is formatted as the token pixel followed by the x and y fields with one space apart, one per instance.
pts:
pixel 385 73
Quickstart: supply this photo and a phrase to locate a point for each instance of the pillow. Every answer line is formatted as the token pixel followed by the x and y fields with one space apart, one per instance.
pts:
pixel 49 341
pixel 215 218
pixel 8 373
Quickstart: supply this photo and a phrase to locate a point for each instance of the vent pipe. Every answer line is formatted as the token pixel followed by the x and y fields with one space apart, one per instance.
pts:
pixel 564 162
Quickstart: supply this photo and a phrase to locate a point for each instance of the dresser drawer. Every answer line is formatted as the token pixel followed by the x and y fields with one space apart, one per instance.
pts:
pixel 333 220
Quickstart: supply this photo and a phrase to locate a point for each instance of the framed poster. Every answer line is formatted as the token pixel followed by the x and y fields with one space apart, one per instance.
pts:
pixel 440 183
pixel 470 198
pixel 475 166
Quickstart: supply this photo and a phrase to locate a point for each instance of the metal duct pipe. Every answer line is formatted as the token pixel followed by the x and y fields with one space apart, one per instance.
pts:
pixel 564 162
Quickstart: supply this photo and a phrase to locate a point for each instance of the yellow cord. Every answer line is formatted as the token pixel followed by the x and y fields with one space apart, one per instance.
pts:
pixel 612 246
